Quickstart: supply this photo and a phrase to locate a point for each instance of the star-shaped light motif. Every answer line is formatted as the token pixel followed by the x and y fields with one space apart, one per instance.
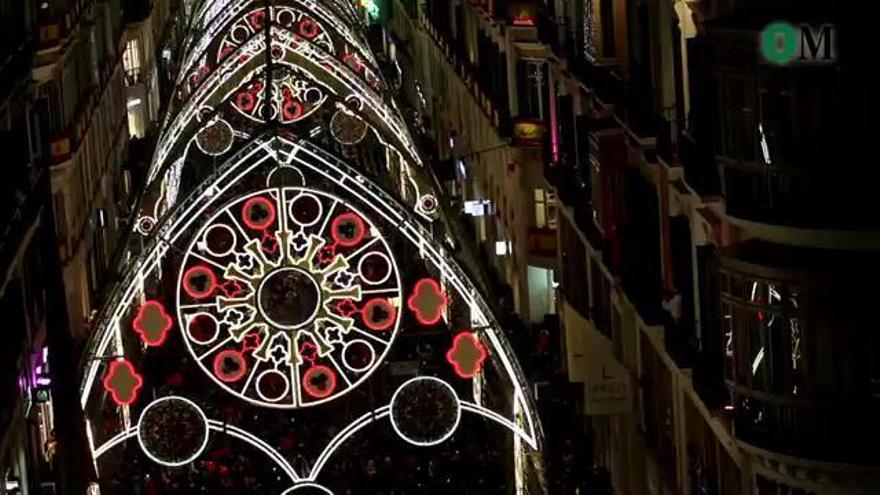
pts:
pixel 269 243
pixel 251 341
pixel 333 334
pixel 232 288
pixel 245 261
pixel 234 317
pixel 346 308
pixel 344 279
pixel 326 254
pixel 299 242
pixel 278 354
pixel 309 352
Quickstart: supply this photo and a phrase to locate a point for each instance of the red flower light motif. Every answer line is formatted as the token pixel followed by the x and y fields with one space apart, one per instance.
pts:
pixel 308 28
pixel 123 382
pixel 466 355
pixel 229 366
pixel 269 243
pixel 309 352
pixel 291 110
pixel 346 308
pixel 427 301
pixel 326 254
pixel 152 323
pixel 245 101
pixel 251 341
pixel 232 288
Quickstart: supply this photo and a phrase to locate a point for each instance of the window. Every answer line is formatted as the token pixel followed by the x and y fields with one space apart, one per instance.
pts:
pixel 131 59
pixel 531 87
pixel 545 209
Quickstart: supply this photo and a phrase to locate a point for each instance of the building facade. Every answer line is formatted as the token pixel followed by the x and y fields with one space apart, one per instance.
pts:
pixel 66 193
pixel 703 210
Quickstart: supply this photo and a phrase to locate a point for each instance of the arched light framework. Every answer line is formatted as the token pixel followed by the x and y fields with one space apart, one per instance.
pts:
pixel 342 70
pixel 241 210
pixel 336 72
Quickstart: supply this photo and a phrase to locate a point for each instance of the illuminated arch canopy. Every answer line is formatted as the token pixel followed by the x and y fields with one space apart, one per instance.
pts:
pixel 285 305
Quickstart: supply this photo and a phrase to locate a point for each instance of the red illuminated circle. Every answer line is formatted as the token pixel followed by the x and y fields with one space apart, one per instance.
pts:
pixel 427 301
pixel 378 314
pixel 245 101
pixel 152 323
pixel 319 381
pixel 291 110
pixel 348 229
pixel 123 382
pixel 199 282
pixel 258 213
pixel 466 355
pixel 229 365
pixel 308 28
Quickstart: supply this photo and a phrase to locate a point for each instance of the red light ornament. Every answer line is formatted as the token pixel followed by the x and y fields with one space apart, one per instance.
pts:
pixel 319 381
pixel 123 382
pixel 152 323
pixel 378 314
pixel 427 301
pixel 466 355
pixel 348 229
pixel 229 366
pixel 258 213
pixel 199 282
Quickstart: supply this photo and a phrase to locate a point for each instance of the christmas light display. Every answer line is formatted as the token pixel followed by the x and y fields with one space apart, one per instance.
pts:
pixel 152 323
pixel 172 431
pixel 425 411
pixel 280 269
pixel 304 290
pixel 123 382
pixel 466 355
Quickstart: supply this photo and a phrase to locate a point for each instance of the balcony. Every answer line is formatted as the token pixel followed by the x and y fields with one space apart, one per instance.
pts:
pixel 800 348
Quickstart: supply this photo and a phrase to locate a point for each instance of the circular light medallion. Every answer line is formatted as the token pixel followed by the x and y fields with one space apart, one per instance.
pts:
pixel 425 411
pixel 271 297
pixel 215 138
pixel 172 431
pixel 289 298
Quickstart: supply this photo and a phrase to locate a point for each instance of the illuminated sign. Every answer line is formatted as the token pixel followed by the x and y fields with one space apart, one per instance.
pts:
pixel 528 133
pixel 523 14
pixel 478 207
